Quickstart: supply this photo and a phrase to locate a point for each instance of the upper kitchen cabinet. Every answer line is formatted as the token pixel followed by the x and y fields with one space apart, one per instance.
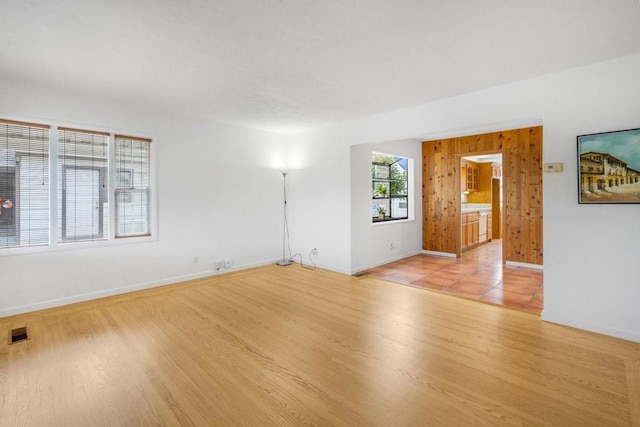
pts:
pixel 473 174
pixel 478 178
pixel 469 176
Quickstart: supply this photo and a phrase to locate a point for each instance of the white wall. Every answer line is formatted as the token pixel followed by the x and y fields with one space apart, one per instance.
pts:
pixel 371 242
pixel 218 198
pixel 218 195
pixel 319 201
pixel 592 277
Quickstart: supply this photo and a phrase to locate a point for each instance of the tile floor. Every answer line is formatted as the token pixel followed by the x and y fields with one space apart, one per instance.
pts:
pixel 479 275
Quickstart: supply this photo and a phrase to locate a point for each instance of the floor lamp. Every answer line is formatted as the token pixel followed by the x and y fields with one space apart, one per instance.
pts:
pixel 285 227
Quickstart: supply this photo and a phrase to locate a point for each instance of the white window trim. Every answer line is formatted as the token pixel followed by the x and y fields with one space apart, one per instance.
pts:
pixel 54 245
pixel 411 194
pixel 113 187
pixel 395 221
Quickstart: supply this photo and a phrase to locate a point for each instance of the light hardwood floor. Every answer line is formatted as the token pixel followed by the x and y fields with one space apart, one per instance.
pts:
pixel 293 346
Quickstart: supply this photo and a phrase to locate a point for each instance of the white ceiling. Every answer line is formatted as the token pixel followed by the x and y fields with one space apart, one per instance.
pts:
pixel 292 65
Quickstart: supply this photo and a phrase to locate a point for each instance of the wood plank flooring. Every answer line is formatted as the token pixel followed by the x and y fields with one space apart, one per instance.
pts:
pixel 293 346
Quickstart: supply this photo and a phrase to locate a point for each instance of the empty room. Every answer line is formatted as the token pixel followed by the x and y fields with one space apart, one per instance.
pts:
pixel 319 213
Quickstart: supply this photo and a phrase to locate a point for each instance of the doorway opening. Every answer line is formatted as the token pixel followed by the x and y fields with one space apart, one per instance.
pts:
pixel 480 201
pixel 519 221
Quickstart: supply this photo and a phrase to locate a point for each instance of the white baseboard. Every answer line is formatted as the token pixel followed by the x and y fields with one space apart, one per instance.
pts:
pixel 322 266
pixel 574 322
pixel 57 302
pixel 332 268
pixel 525 265
pixel 383 262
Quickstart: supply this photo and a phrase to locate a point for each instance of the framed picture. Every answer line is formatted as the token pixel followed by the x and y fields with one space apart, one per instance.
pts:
pixel 609 169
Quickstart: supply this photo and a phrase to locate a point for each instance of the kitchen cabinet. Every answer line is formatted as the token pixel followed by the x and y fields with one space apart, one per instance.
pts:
pixel 473 174
pixel 475 229
pixel 470 229
pixel 469 176
pixel 479 177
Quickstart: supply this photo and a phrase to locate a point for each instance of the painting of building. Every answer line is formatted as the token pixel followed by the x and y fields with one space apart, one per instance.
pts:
pixel 609 165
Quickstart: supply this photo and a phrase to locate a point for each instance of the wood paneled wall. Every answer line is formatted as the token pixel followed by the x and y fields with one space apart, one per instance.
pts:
pixel 522 191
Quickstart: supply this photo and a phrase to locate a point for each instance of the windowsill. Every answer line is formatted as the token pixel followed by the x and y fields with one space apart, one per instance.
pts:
pixel 377 221
pixel 69 246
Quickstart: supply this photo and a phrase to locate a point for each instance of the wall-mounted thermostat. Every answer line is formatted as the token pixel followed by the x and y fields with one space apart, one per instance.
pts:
pixel 552 167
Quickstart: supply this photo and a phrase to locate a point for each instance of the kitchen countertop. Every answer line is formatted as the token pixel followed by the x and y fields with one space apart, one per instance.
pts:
pixel 475 207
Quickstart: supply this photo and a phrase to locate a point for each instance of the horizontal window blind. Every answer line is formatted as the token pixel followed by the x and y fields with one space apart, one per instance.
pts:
pixel 132 159
pixel 24 184
pixel 83 185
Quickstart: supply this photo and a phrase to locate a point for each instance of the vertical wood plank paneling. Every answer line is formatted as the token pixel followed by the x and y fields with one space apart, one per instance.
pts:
pixel 522 191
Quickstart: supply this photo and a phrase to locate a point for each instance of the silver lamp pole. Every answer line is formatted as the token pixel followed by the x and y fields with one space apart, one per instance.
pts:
pixel 285 226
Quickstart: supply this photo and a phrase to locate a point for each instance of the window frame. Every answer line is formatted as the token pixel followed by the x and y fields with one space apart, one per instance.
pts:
pixel 381 177
pixel 17 211
pixel 78 138
pixel 53 245
pixel 131 189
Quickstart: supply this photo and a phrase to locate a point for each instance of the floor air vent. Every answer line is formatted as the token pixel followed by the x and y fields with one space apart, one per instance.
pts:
pixel 19 335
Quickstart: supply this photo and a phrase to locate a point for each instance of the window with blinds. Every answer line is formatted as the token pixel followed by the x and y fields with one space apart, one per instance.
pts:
pixel 24 184
pixel 101 186
pixel 83 185
pixel 132 168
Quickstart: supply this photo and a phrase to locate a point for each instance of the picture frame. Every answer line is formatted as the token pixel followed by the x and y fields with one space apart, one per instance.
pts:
pixel 609 167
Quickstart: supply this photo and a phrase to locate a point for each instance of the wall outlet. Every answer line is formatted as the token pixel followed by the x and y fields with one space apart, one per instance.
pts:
pixel 196 259
pixel 392 246
pixel 228 262
pixel 219 264
pixel 314 251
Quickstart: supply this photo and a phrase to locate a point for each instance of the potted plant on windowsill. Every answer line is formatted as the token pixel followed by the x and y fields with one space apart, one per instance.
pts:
pixel 381 190
pixel 381 212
